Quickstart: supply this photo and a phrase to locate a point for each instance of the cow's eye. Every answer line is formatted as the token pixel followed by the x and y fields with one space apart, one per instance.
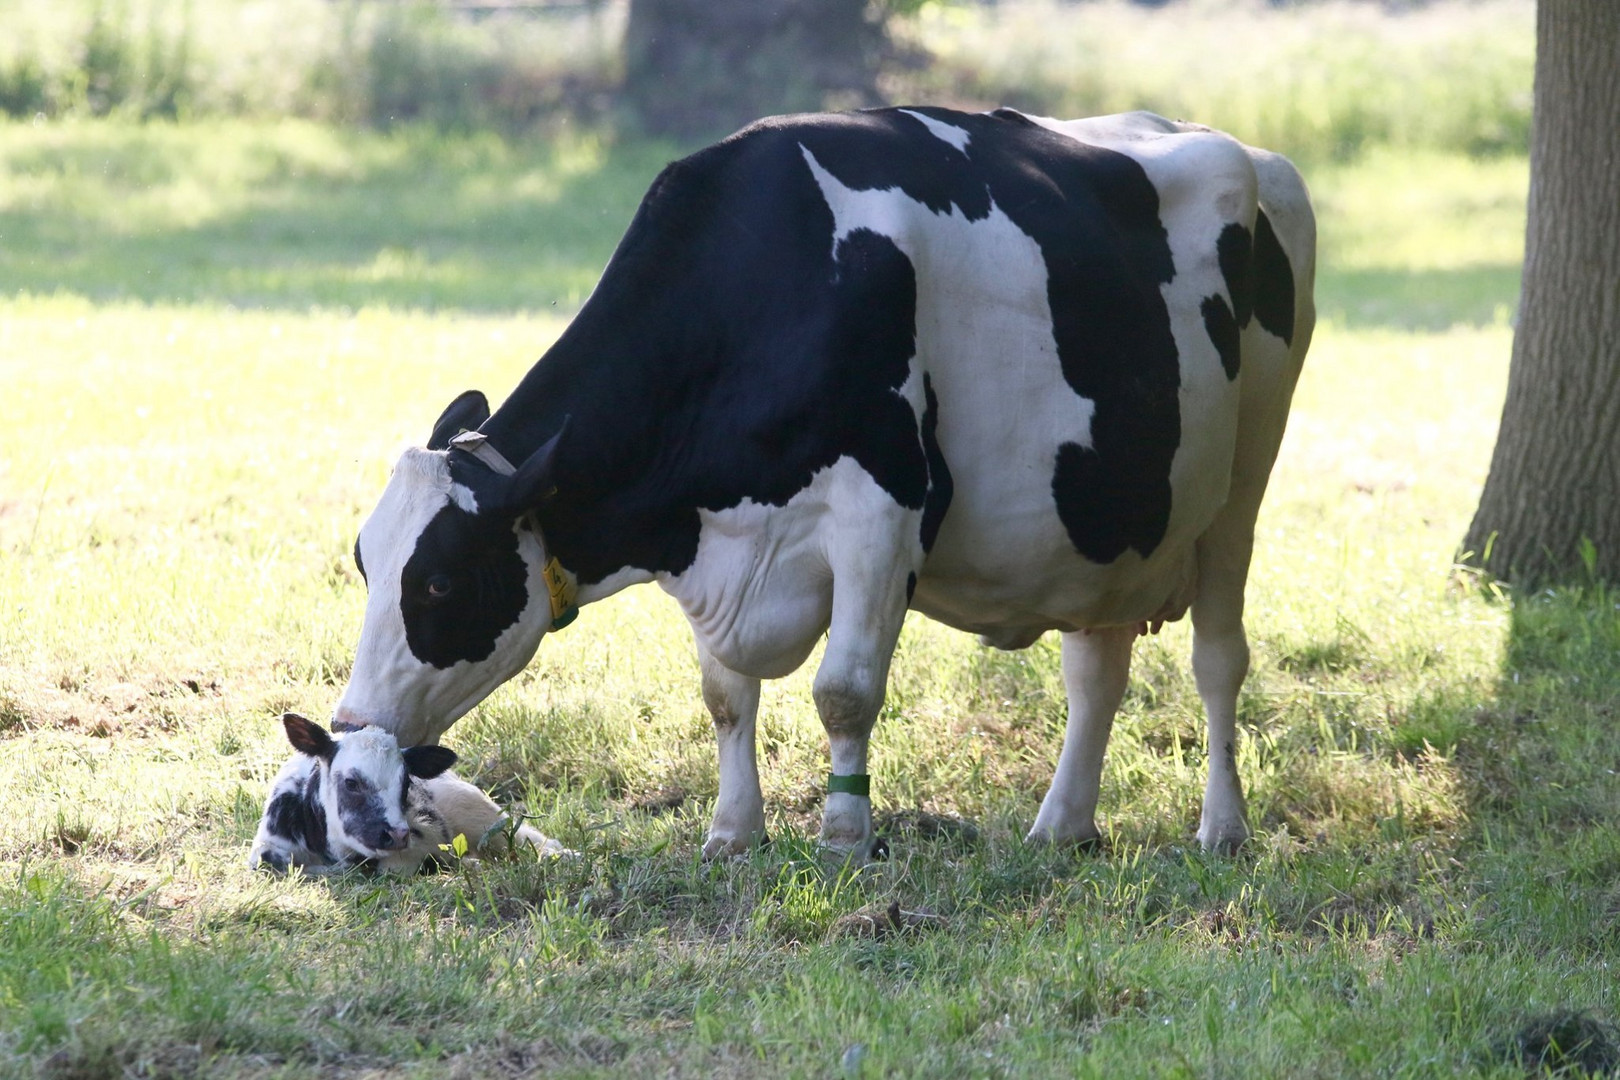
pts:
pixel 438 586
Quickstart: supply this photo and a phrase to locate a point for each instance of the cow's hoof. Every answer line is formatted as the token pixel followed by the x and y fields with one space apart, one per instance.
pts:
pixel 1088 839
pixel 1223 839
pixel 720 846
pixel 867 850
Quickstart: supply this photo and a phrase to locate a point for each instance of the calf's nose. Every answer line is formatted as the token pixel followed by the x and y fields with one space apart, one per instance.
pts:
pixel 391 839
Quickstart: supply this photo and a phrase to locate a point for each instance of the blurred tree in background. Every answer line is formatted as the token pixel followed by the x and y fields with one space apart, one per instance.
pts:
pixel 705 67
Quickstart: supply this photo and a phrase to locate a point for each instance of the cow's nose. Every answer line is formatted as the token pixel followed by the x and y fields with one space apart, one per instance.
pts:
pixel 346 719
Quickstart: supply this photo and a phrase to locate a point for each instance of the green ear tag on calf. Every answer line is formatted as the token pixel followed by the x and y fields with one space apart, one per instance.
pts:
pixel 565 618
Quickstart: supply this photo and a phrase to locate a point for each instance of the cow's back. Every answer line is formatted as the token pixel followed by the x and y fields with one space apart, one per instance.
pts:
pixel 1037 336
pixel 1084 308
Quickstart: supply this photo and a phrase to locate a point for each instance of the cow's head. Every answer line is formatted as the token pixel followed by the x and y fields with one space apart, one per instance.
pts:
pixel 363 789
pixel 457 599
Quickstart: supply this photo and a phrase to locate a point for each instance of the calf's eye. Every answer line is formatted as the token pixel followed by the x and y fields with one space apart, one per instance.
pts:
pixel 438 586
pixel 351 784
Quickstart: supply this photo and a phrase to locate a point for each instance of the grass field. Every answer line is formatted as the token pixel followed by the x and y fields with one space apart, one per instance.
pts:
pixel 215 338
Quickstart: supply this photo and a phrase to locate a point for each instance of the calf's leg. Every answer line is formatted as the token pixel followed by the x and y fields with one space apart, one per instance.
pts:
pixel 1096 666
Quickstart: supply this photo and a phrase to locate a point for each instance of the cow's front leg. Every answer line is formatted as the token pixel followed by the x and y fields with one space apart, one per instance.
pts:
pixel 1096 666
pixel 739 810
pixel 869 608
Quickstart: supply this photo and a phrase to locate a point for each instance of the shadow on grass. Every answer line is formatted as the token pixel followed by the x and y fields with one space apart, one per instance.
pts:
pixel 294 217
pixel 405 222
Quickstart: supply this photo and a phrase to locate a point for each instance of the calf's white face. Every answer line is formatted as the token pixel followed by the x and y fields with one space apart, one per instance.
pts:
pixel 366 778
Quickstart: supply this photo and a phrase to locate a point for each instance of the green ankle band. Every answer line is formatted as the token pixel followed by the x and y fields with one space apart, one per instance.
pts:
pixel 856 784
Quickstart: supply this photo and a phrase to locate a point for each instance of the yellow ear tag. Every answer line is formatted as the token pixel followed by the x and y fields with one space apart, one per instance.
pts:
pixel 563 609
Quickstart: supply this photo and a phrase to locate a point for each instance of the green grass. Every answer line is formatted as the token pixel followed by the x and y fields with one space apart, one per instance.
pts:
pixel 1318 80
pixel 203 392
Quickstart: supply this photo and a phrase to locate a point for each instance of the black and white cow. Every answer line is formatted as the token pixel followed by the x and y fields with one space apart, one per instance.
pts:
pixel 355 797
pixel 1015 373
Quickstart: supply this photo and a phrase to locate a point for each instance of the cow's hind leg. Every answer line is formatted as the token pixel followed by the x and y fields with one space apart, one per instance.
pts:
pixel 1220 663
pixel 1096 666
pixel 739 811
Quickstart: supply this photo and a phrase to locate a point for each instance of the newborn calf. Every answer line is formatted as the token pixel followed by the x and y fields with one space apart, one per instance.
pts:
pixel 356 797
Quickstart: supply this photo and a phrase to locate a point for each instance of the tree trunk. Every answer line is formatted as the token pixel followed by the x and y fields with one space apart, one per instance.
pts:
pixel 701 68
pixel 1550 510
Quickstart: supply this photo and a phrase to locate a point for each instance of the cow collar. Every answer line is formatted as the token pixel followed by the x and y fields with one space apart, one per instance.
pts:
pixel 563 592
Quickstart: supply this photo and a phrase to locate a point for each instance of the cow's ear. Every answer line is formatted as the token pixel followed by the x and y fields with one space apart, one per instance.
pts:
pixel 536 479
pixel 426 762
pixel 308 737
pixel 466 413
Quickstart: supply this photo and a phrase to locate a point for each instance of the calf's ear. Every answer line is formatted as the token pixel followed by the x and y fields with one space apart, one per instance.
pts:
pixel 426 762
pixel 466 413
pixel 308 737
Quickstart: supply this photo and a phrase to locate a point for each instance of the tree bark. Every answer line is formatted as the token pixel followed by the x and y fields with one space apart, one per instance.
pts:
pixel 1550 511
pixel 701 68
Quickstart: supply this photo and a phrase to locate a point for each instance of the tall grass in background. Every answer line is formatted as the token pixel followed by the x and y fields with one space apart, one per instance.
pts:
pixel 1315 80
pixel 352 61
pixel 1312 80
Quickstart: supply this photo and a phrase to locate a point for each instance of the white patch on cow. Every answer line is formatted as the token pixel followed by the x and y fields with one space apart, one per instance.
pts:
pixel 463 496
pixel 759 592
pixel 978 330
pixel 948 133
pixel 912 393
pixel 388 686
pixel 621 578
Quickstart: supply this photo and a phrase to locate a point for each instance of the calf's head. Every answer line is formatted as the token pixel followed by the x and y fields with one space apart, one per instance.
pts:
pixel 456 595
pixel 365 777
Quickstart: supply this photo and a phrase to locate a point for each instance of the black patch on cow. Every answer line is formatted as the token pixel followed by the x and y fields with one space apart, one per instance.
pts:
pixel 1222 328
pixel 297 815
pixel 358 564
pixel 474 559
pixel 362 811
pixel 465 413
pixel 1225 322
pixel 911 586
pixel 731 349
pixel 1273 281
pixel 1235 252
pixel 940 488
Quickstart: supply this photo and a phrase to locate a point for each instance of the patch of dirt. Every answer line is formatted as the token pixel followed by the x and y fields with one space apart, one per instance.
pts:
pixel 1565 1042
pixel 101 708
pixel 922 824
pixel 660 802
pixel 515 1060
pixel 884 922
pixel 97 1060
